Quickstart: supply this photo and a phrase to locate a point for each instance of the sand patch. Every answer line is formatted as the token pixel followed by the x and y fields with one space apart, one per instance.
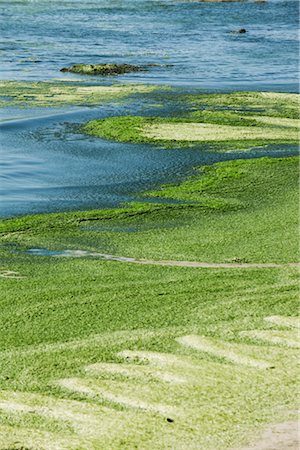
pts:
pixel 80 422
pixel 77 385
pixel 293 322
pixel 215 133
pixel 284 436
pixel 133 371
pixel 280 121
pixel 125 259
pixel 223 351
pixel 281 96
pixel 113 368
pixel 158 359
pixel 170 378
pixel 136 404
pixel 30 439
pixel 91 341
pixel 75 413
pixel 10 274
pixel 274 337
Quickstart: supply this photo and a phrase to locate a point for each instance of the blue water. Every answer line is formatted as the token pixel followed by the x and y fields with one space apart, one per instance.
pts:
pixel 46 166
pixel 40 37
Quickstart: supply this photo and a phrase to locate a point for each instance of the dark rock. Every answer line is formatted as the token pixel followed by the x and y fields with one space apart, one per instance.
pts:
pixel 240 31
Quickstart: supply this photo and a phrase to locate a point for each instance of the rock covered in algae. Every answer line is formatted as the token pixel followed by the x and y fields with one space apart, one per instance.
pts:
pixel 102 69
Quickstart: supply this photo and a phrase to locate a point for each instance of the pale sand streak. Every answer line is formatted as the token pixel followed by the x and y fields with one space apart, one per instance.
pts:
pixel 272 337
pixel 283 436
pixel 280 121
pixel 284 321
pixel 202 132
pixel 60 410
pixel 10 274
pixel 77 385
pixel 133 371
pixel 205 265
pixel 158 359
pixel 205 345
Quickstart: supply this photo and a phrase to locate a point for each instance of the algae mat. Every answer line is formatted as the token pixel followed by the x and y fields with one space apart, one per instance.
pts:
pixel 103 355
pixel 234 121
pixel 60 93
pixel 160 392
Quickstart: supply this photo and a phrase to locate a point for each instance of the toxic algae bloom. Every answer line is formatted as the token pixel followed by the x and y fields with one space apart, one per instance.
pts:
pixel 60 93
pixel 226 121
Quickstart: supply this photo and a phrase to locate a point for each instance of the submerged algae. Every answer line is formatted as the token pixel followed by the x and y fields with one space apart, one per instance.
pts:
pixel 59 93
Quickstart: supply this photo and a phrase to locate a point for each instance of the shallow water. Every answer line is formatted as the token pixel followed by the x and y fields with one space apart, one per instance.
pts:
pixel 46 166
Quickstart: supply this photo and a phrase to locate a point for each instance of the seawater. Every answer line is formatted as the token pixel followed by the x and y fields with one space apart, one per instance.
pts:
pixel 191 40
pixel 45 166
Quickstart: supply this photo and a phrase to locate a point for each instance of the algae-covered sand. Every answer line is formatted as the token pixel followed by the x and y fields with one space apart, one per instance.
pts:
pixel 104 354
pixel 205 132
pixel 228 121
pixel 157 307
pixel 60 93
pixel 99 352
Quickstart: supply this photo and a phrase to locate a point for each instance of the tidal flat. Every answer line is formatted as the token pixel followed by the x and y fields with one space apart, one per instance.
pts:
pixel 150 350
pixel 149 258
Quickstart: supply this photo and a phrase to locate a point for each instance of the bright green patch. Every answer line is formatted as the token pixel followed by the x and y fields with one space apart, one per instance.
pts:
pixel 47 94
pixel 68 317
pixel 218 121
pixel 245 210
pixel 153 352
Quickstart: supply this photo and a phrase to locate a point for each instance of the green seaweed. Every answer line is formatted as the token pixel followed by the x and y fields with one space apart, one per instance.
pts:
pixel 58 93
pixel 267 103
pixel 67 314
pixel 241 121
pixel 244 208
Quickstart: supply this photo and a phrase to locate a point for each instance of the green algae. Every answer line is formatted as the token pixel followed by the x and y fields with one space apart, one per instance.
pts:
pixel 225 121
pixel 244 208
pixel 67 314
pixel 102 69
pixel 276 104
pixel 56 93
